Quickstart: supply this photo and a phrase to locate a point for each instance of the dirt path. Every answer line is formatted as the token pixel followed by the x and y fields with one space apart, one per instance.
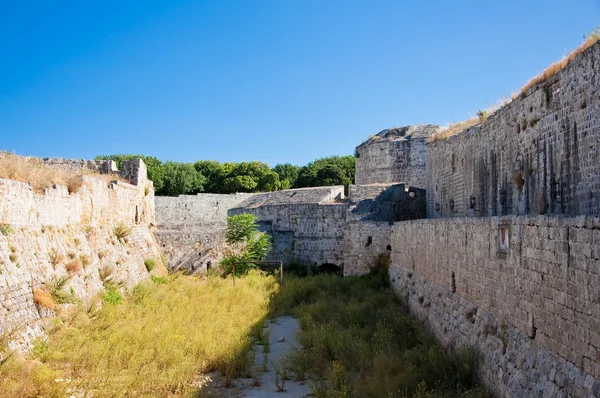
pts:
pixel 282 339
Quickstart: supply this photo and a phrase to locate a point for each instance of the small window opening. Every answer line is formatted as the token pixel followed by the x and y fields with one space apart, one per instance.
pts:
pixel 389 247
pixel 369 241
pixel 453 283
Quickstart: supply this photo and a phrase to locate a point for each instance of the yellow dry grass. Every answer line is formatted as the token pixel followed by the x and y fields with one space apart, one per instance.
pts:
pixel 552 70
pixel 44 298
pixel 74 266
pixel 560 65
pixel 40 176
pixel 455 128
pixel 157 342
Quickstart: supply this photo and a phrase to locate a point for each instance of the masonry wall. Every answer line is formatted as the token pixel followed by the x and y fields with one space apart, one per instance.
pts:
pixel 524 290
pixel 540 154
pixel 309 233
pixel 46 237
pixel 191 229
pixel 363 245
pixel 394 155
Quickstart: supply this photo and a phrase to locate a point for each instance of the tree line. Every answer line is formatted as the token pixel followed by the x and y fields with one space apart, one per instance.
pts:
pixel 209 176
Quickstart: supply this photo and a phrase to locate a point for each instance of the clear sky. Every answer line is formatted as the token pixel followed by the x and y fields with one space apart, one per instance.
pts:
pixel 277 81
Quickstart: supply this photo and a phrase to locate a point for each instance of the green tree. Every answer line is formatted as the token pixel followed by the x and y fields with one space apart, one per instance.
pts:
pixel 288 174
pixel 213 172
pixel 334 170
pixel 180 179
pixel 256 246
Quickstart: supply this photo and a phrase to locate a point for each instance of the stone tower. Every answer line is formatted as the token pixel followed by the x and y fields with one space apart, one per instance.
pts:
pixel 394 155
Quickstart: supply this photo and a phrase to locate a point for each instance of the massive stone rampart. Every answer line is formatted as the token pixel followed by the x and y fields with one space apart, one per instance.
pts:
pixel 524 290
pixel 539 154
pixel 56 235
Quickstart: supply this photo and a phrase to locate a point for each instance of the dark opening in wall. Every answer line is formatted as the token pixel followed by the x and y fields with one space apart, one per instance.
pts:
pixel 369 241
pixel 472 202
pixel 208 265
pixel 453 283
pixel 388 247
pixel 329 268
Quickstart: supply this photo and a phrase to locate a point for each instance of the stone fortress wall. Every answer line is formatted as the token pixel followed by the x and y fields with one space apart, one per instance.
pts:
pixel 524 287
pixel 56 234
pixel 319 226
pixel 539 154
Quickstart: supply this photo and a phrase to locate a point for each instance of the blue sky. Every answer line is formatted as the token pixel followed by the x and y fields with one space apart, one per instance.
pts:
pixel 277 81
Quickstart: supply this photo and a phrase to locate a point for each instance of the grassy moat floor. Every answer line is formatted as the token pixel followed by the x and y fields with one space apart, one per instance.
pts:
pixel 162 337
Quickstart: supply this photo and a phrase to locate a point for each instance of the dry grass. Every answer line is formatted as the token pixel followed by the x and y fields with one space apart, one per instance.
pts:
pixel 552 70
pixel 44 299
pixel 157 342
pixel 74 266
pixel 560 65
pixel 455 128
pixel 121 231
pixel 40 176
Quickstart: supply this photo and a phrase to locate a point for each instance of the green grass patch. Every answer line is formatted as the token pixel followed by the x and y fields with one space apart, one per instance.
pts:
pixel 150 264
pixel 359 342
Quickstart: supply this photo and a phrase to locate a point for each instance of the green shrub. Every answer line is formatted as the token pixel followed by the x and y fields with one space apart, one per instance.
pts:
pixel 112 295
pixel 6 229
pixel 121 231
pixel 150 264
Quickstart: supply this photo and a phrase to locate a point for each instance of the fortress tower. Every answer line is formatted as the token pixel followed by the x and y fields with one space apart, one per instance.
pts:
pixel 394 155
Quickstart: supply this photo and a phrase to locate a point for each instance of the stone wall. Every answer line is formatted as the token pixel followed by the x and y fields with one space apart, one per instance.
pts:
pixel 539 154
pixel 316 226
pixel 394 155
pixel 47 237
pixel 307 225
pixel 524 290
pixel 191 228
pixel 363 245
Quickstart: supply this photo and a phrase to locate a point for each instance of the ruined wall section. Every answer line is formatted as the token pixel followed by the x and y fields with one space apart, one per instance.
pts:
pixel 539 154
pixel 47 237
pixel 524 290
pixel 394 155
pixel 191 228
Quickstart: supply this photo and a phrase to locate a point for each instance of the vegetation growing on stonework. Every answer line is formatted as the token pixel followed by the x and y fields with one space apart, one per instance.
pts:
pixel 208 176
pixel 33 171
pixel 255 245
pixel 6 229
pixel 591 38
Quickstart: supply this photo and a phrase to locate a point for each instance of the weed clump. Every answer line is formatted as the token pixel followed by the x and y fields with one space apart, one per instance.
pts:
pixel 6 229
pixel 150 264
pixel 358 341
pixel 121 231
